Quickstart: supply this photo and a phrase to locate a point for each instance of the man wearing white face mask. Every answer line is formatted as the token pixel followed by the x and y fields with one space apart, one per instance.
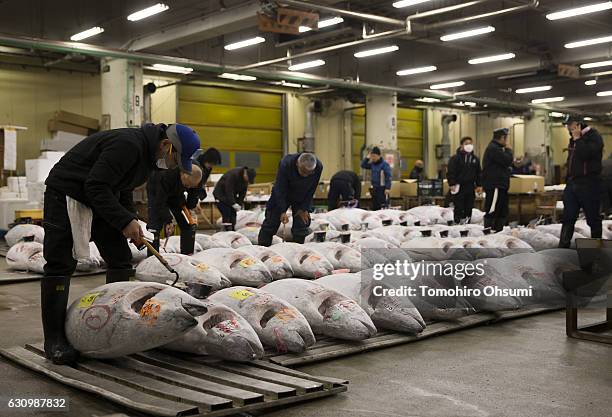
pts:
pixel 100 173
pixel 463 179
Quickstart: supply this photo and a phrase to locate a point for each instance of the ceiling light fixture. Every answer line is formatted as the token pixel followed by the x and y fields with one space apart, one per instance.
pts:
pixel 308 64
pixel 590 82
pixel 592 8
pixel 376 51
pixel 87 34
pixel 244 43
pixel 547 100
pixel 604 93
pixel 493 58
pixel 427 100
pixel 407 3
pixel 171 68
pixel 237 77
pixel 322 24
pixel 289 84
pixel 446 85
pixel 596 64
pixel 533 89
pixel 588 119
pixel 556 114
pixel 148 12
pixel 588 42
pixel 467 33
pixel 418 70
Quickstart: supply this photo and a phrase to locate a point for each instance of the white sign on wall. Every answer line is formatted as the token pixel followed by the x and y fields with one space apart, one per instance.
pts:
pixel 10 149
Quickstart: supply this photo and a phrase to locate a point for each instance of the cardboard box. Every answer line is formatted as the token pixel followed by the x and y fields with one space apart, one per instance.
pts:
pixel 322 190
pixel 55 126
pixel 76 119
pixel 261 188
pixel 396 187
pixel 365 190
pixel 526 184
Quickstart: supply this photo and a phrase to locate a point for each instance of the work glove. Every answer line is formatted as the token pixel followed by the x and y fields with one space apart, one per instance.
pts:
pixel 236 206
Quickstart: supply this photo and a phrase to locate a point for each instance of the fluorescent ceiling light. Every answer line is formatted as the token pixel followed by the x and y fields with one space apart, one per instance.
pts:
pixel 465 104
pixel 305 65
pixel 377 51
pixel 596 64
pixel 149 11
pixel 446 85
pixel 588 119
pixel 604 93
pixel 87 34
pixel 290 84
pixel 172 68
pixel 323 24
pixel 533 89
pixel 590 82
pixel 592 8
pixel 237 77
pixel 588 42
pixel 493 58
pixel 556 114
pixel 419 70
pixel 467 33
pixel 547 100
pixel 244 43
pixel 408 3
pixel 427 100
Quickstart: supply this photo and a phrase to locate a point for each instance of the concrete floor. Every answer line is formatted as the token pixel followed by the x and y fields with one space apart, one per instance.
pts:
pixel 525 367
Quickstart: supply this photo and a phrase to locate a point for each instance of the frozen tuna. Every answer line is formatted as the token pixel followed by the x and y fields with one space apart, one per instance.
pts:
pixel 305 262
pixel 537 239
pixel 129 317
pixel 24 232
pixel 278 324
pixel 233 239
pixel 26 256
pixel 221 332
pixel 339 255
pixel 207 242
pixel 278 266
pixel 238 266
pixel 188 268
pixel 328 312
pixel 173 245
pixel 252 233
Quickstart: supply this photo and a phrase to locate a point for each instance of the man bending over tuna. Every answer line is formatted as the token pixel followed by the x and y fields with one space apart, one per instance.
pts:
pixel 95 180
pixel 296 182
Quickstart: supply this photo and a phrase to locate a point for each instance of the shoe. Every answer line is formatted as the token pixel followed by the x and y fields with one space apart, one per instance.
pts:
pixel 120 275
pixel 54 300
pixel 565 238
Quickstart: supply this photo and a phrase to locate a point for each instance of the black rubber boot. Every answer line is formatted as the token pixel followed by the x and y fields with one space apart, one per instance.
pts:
pixel 120 275
pixel 54 300
pixel 188 240
pixel 500 223
pixel 567 232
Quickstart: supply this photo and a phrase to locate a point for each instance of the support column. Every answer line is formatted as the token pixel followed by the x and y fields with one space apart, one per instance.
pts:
pixel 381 120
pixel 537 142
pixel 122 90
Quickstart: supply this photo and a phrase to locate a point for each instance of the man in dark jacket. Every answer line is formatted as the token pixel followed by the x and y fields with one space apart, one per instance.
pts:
pixel 583 180
pixel 343 186
pixel 496 169
pixel 464 179
pixel 166 199
pixel 206 160
pixel 231 190
pixel 418 171
pixel 381 178
pixel 296 181
pixel 101 172
pixel 606 183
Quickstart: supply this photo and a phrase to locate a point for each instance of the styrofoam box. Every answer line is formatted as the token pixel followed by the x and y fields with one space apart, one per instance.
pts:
pixel 36 192
pixel 52 155
pixel 16 184
pixel 37 170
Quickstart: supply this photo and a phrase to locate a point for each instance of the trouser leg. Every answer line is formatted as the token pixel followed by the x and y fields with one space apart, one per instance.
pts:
pixel 489 217
pixel 114 249
pixel 269 227
pixel 155 242
pixel 468 202
pixel 228 214
pixel 459 201
pixel 299 229
pixel 188 232
pixel 378 198
pixel 589 196
pixel 501 210
pixel 571 209
pixel 333 197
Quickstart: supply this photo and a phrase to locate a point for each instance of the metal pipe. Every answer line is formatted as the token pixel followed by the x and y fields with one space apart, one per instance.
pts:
pixel 533 4
pixel 348 13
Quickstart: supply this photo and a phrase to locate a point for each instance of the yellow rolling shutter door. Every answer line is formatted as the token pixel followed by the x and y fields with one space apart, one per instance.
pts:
pixel 245 126
pixel 409 136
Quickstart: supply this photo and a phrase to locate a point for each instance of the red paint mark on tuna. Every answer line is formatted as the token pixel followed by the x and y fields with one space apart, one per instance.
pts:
pixel 281 347
pixel 96 316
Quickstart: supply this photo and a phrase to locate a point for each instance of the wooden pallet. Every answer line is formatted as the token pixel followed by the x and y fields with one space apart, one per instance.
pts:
pixel 164 384
pixel 328 348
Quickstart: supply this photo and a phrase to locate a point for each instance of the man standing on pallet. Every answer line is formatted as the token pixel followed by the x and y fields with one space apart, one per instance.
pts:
pixel 464 179
pixel 89 195
pixel 296 182
pixel 583 180
pixel 231 190
pixel 381 178
pixel 496 171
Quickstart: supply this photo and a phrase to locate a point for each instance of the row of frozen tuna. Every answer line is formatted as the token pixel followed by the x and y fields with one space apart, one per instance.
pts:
pixel 238 323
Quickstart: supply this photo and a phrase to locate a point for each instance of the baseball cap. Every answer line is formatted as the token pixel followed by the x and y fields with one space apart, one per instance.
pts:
pixel 186 142
pixel 498 133
pixel 570 118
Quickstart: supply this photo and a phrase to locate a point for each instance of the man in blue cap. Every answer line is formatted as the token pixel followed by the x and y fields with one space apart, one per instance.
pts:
pixel 496 171
pixel 97 176
pixel 583 179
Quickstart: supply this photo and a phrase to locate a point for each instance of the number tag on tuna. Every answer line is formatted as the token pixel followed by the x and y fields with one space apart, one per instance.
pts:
pixel 88 299
pixel 241 294
pixel 201 267
pixel 247 262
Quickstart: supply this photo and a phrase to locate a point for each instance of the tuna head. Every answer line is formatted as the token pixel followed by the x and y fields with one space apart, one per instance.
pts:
pixel 222 333
pixel 278 324
pixel 21 255
pixel 238 266
pixel 129 317
pixel 339 255
pixel 278 266
pixel 306 262
pixel 233 239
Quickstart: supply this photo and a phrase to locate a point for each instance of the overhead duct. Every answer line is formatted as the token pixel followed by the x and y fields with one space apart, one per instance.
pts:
pixel 307 143
pixel 443 149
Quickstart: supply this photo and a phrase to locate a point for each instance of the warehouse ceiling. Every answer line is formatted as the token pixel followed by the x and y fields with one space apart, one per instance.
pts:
pixel 200 30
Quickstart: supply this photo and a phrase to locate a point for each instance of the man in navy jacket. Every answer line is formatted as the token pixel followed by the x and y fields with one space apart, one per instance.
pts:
pixel 496 171
pixel 296 182
pixel 381 178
